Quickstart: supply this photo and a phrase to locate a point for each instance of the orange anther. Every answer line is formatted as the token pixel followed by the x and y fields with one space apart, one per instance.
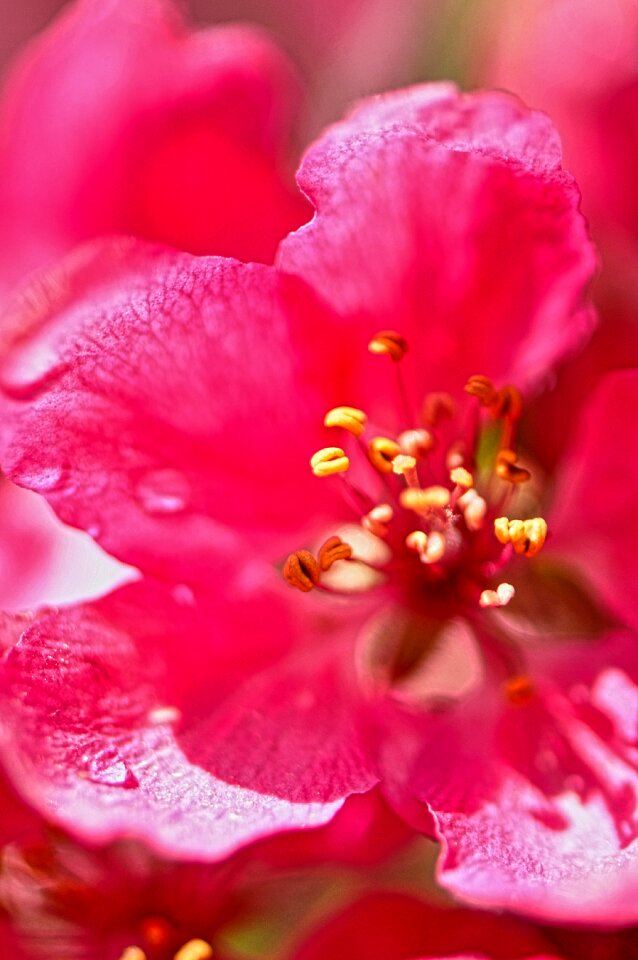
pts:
pixel 506 468
pixel 195 950
pixel 301 570
pixel 462 477
pixel 390 343
pixel 482 388
pixel 332 550
pixel 382 451
pixel 508 402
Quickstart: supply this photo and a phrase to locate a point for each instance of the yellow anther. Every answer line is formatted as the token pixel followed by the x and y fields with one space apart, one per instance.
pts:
pixel 382 451
pixel 462 477
pixel 378 519
pixel 390 343
pixel 195 950
pixel 332 550
pixel 482 388
pixel 497 598
pixel 526 536
pixel 417 541
pixel 506 468
pixel 301 570
pixel 508 402
pixel 133 953
pixel 419 500
pixel 517 531
pixel 416 443
pixel 437 407
pixel 501 530
pixel 435 549
pixel 403 464
pixel 348 418
pixel 329 460
pixel 519 690
pixel 535 533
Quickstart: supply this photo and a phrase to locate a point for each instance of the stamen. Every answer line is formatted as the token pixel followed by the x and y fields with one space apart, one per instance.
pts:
pixel 437 407
pixel 389 343
pixel 382 451
pixel 535 535
pixel 435 549
pixel 508 402
pixel 328 461
pixel 348 418
pixel 462 477
pixel 195 950
pixel 405 466
pixel 474 509
pixel 526 536
pixel 378 519
pixel 416 443
pixel 417 541
pixel 497 598
pixel 420 500
pixel 333 549
pixel 301 570
pixel 133 953
pixel 519 690
pixel 455 455
pixel 482 388
pixel 506 469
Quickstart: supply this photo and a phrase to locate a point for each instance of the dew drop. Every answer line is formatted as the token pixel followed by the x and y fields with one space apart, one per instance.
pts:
pixel 31 367
pixel 108 768
pixel 163 491
pixel 43 479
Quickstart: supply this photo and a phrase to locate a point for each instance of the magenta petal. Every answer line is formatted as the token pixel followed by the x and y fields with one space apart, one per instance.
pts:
pixel 535 805
pixel 447 217
pixel 92 719
pixel 396 926
pixel 298 732
pixel 157 397
pixel 181 136
pixel 594 521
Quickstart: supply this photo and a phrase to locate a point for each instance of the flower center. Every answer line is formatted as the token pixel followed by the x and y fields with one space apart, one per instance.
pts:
pixel 446 501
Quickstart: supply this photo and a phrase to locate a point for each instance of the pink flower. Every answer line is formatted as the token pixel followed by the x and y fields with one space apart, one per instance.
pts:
pixel 170 405
pixel 119 120
pixel 67 900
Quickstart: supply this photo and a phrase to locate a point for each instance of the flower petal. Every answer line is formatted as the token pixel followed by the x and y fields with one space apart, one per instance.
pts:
pixel 536 804
pixel 157 397
pixel 594 522
pixel 118 120
pixel 447 217
pixel 396 926
pixel 97 701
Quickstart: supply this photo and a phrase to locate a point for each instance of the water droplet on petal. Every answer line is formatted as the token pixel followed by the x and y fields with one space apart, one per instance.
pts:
pixel 31 367
pixel 108 768
pixel 43 478
pixel 163 491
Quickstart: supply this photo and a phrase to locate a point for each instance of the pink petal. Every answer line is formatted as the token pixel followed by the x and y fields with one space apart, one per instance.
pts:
pixel 157 397
pixel 396 926
pixel 536 805
pixel 120 120
pixel 594 521
pixel 447 217
pixel 97 705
